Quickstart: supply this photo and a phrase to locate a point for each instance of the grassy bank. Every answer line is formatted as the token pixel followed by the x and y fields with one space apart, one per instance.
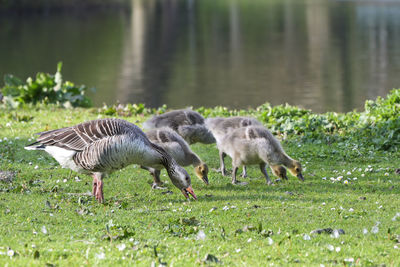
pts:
pixel 48 216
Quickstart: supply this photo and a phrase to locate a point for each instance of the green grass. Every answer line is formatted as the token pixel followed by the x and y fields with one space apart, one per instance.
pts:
pixel 47 218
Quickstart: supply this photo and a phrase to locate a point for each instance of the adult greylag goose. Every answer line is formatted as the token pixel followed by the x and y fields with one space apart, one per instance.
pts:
pixel 187 123
pixel 256 145
pixel 102 146
pixel 177 147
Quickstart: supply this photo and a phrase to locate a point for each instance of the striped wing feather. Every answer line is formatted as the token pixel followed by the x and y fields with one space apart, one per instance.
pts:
pixel 80 136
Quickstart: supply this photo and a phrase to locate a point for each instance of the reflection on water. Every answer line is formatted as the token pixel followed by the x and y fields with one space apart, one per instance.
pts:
pixel 319 54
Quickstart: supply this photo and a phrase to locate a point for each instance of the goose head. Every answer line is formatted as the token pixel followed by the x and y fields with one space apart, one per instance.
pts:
pixel 202 172
pixel 181 179
pixel 279 171
pixel 295 169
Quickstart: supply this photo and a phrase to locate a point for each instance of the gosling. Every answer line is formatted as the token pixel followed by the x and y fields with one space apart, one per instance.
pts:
pixel 187 123
pixel 177 147
pixel 256 145
pixel 219 127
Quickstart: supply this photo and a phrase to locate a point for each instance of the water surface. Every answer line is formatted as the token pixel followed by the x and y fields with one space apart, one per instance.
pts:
pixel 318 54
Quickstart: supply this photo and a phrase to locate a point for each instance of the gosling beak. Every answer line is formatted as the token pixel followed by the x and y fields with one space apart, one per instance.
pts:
pixel 300 176
pixel 189 190
pixel 205 179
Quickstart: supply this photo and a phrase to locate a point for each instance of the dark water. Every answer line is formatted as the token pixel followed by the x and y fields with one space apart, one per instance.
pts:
pixel 318 54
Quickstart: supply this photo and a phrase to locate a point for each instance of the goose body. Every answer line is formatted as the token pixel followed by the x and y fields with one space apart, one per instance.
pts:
pixel 177 147
pixel 187 123
pixel 221 126
pixel 100 147
pixel 256 145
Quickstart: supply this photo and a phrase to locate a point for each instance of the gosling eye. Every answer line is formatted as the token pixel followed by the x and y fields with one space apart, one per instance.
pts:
pixel 187 179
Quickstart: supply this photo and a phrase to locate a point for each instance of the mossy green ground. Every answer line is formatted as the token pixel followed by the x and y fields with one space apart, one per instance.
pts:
pixel 48 218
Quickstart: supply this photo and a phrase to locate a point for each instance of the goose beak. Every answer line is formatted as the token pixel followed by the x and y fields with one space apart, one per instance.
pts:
pixel 205 179
pixel 189 190
pixel 300 176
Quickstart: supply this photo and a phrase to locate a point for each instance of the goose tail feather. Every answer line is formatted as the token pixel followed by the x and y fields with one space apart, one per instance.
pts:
pixel 35 146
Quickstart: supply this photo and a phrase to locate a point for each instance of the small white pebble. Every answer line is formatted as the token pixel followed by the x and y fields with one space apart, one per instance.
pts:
pixel 335 234
pixel 36 167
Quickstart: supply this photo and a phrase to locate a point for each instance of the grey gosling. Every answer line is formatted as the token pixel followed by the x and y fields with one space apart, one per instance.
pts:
pixel 177 147
pixel 187 123
pixel 220 126
pixel 102 146
pixel 256 145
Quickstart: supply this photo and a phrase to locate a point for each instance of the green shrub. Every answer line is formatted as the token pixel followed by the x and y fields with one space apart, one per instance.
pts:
pixel 46 88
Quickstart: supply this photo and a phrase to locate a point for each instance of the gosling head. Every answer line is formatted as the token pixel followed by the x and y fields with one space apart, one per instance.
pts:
pixel 181 179
pixel 201 171
pixel 295 169
pixel 279 171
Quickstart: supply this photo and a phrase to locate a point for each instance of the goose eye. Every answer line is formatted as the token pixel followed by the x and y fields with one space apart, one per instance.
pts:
pixel 187 179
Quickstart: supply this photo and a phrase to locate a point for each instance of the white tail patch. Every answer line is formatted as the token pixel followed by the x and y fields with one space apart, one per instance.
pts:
pixel 33 148
pixel 63 156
